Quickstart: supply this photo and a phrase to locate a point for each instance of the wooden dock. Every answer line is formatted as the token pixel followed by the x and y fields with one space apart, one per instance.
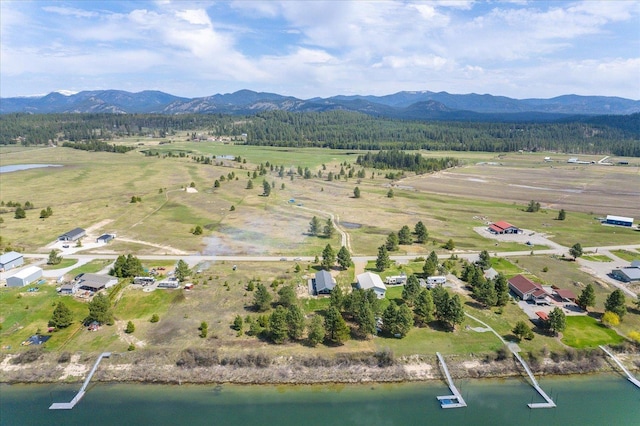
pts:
pixel 630 377
pixel 549 402
pixel 83 389
pixel 450 401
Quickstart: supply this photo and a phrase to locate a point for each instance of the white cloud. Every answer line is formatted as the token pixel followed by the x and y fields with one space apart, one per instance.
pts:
pixel 70 11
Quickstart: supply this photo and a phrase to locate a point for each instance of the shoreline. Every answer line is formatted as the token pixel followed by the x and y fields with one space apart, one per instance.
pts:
pixel 153 368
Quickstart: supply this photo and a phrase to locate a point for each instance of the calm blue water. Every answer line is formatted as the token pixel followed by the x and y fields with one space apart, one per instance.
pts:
pixel 583 400
pixel 18 167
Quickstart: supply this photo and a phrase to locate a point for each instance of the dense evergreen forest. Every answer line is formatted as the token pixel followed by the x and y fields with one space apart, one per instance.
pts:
pixel 617 135
pixel 402 161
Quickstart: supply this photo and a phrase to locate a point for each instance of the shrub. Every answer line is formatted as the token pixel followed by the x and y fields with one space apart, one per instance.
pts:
pixel 27 357
pixel 64 357
pixel 154 318
pixel 131 347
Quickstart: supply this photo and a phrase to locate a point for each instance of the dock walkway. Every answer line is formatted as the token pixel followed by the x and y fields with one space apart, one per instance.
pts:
pixel 83 389
pixel 549 402
pixel 450 401
pixel 617 361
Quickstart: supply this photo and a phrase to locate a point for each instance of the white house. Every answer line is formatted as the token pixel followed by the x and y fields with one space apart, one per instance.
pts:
pixel 372 281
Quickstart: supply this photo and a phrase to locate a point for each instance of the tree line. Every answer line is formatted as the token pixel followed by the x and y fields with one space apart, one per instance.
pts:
pixel 617 135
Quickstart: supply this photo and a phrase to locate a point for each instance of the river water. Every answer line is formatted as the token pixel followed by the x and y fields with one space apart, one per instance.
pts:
pixel 582 400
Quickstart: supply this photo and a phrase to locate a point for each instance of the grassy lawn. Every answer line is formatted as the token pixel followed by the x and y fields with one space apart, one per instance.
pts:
pixel 64 264
pixel 597 258
pixel 586 332
pixel 627 255
pixel 504 266
pixel 90 268
pixel 24 313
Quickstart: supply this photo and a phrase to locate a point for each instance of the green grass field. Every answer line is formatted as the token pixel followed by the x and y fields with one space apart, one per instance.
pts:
pixel 586 332
pixel 627 255
pixel 64 264
pixel 597 258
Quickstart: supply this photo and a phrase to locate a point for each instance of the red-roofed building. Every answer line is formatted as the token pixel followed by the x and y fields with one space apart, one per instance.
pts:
pixel 565 294
pixel 542 315
pixel 526 289
pixel 503 227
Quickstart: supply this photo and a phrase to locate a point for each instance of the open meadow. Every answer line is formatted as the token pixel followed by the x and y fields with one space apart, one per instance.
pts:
pixel 95 190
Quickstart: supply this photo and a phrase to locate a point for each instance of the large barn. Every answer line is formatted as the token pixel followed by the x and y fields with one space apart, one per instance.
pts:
pixel 10 260
pixel 73 235
pixel 503 227
pixel 24 277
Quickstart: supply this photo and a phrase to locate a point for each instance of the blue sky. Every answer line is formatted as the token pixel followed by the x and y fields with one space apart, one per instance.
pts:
pixel 520 49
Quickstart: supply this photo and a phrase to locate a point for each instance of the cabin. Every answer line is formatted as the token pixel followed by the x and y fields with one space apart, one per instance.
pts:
pixel 371 281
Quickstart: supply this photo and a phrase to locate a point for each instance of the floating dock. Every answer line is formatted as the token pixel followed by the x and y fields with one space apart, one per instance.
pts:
pixel 549 402
pixel 450 401
pixel 83 389
pixel 617 361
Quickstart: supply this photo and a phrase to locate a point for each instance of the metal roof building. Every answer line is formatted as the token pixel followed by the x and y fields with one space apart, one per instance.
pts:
pixel 372 281
pixel 73 235
pixel 324 282
pixel 619 220
pixel 11 260
pixel 24 277
pixel 95 282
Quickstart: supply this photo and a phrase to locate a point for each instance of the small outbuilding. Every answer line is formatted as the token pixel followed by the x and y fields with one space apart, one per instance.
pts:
pixel 619 221
pixel 10 260
pixel 25 277
pixel 323 283
pixel 565 295
pixel 73 235
pixel 105 238
pixel 372 281
pixel 503 227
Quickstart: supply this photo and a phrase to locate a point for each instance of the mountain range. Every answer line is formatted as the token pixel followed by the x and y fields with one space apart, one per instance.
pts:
pixel 414 105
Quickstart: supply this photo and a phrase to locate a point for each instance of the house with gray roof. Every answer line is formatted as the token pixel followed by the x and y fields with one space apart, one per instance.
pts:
pixel 628 274
pixel 323 283
pixel 96 282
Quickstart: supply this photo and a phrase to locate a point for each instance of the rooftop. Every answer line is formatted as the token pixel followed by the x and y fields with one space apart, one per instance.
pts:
pixel 26 272
pixel 10 256
pixel 370 280
pixel 524 284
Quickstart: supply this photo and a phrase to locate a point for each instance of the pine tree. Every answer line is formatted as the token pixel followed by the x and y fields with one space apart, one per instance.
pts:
pixel 392 242
pixel 314 226
pixel 411 290
pixel 616 303
pixel 356 192
pixel 382 261
pixel 295 322
pixel 316 331
pixel 365 319
pixel 421 233
pixel 557 320
pixel 262 298
pixel 61 317
pixel 249 184
pixel 182 270
pixel 278 329
pixel 54 259
pixel 404 235
pixel 424 307
pixel 337 298
pixel 328 257
pixel 266 188
pixel 329 229
pixel 344 258
pixel 337 329
pixel 562 215
pixel 130 328
pixel 587 297
pixel 100 310
pixel 502 290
